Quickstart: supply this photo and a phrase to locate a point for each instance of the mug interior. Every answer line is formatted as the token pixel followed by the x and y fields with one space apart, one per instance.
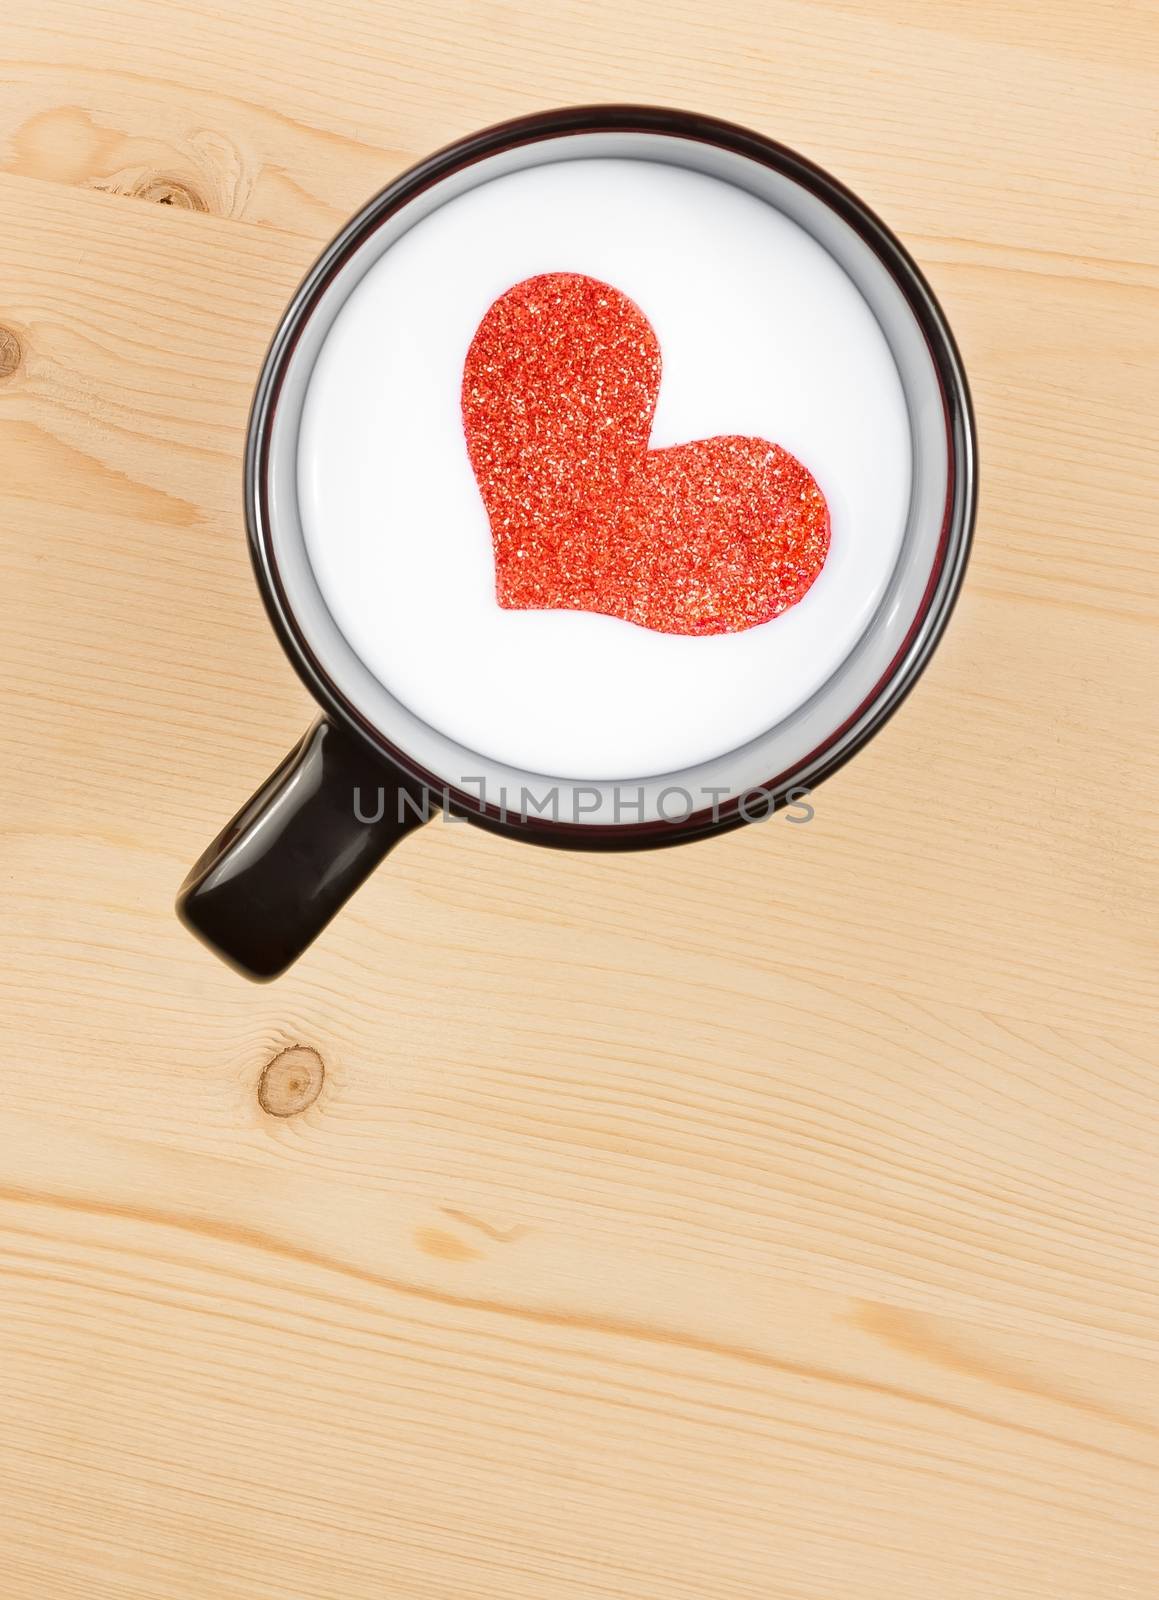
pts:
pixel 880 664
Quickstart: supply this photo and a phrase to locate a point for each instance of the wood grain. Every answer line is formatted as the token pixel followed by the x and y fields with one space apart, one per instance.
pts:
pixel 771 1220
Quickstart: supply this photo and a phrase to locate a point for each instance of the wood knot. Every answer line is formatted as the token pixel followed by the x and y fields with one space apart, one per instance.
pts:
pixel 11 352
pixel 291 1081
pixel 162 191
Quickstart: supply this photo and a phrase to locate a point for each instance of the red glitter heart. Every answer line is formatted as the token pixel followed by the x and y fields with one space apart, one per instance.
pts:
pixel 559 388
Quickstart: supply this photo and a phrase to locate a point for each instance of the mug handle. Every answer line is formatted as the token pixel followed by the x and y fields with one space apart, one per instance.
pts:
pixel 295 853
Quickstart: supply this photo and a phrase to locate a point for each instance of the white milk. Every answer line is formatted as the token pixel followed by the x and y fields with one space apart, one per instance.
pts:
pixel 760 331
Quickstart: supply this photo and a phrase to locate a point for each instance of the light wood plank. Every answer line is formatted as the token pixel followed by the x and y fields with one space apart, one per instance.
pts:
pixel 770 1220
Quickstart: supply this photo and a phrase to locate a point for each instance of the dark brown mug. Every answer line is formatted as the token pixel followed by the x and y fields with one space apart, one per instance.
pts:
pixel 369 770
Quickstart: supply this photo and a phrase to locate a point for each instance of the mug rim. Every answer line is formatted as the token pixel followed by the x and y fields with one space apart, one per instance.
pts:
pixel 946 572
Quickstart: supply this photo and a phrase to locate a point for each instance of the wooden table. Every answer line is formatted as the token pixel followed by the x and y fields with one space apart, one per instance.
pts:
pixel 773 1219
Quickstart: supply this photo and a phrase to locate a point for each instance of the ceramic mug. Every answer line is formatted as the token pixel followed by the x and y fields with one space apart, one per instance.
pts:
pixel 371 768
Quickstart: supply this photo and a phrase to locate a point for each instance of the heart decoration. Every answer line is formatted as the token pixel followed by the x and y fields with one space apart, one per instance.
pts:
pixel 559 389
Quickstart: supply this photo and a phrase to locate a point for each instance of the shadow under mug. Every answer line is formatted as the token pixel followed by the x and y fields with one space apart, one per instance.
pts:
pixel 274 877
